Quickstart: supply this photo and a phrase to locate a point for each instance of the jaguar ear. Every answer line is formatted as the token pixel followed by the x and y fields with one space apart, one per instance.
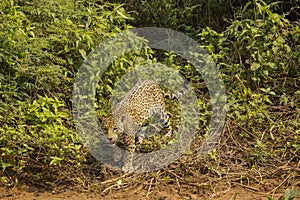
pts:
pixel 102 121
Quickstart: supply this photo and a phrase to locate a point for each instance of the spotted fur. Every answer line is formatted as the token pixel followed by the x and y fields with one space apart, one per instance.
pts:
pixel 144 100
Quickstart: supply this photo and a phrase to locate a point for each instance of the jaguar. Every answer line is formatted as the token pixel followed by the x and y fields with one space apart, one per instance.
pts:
pixel 125 118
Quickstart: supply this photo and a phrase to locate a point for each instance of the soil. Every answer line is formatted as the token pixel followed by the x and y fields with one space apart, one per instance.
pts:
pixel 29 193
pixel 231 176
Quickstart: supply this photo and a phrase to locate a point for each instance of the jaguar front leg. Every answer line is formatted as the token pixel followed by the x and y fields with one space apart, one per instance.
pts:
pixel 128 158
pixel 129 134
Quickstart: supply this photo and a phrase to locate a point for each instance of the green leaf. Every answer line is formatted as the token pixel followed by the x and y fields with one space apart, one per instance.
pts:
pixel 124 16
pixel 83 53
pixel 255 66
pixel 55 160
pixel 290 194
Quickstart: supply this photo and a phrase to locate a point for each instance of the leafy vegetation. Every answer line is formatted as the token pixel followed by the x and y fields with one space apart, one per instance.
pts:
pixel 43 44
pixel 259 60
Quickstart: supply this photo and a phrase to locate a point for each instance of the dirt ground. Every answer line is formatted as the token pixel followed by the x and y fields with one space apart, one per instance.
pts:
pixel 27 193
pixel 230 177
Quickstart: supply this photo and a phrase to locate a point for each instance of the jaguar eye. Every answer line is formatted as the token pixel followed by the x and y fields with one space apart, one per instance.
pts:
pixel 115 129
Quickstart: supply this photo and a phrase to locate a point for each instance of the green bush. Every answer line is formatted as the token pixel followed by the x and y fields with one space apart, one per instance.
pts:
pixel 190 16
pixel 258 56
pixel 42 45
pixel 186 16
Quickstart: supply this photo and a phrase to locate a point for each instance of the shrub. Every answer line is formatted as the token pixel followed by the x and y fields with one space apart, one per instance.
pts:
pixel 42 45
pixel 258 55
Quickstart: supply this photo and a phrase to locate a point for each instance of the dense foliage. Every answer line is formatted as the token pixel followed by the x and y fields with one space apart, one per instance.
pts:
pixel 191 16
pixel 258 55
pixel 43 43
